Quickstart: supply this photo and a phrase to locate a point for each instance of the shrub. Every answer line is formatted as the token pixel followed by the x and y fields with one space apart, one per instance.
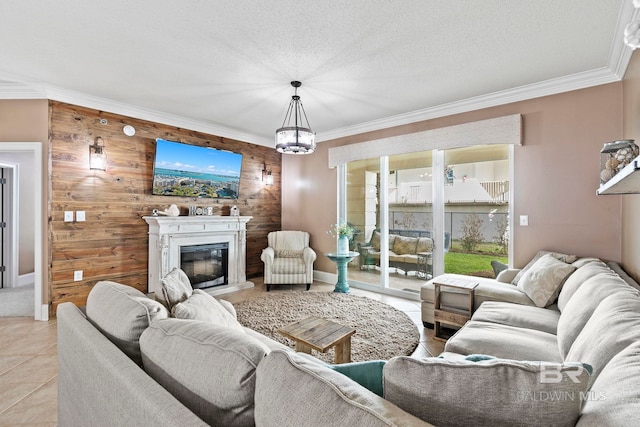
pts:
pixel 471 232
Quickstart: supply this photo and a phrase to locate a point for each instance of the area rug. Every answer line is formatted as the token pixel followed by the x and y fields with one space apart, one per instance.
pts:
pixel 382 331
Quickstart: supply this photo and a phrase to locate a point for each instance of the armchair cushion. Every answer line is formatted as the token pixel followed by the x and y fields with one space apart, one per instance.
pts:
pixel 289 266
pixel 405 245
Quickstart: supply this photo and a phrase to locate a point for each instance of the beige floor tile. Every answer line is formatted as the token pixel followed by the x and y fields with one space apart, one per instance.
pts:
pixel 10 394
pixel 38 407
pixel 9 362
pixel 37 369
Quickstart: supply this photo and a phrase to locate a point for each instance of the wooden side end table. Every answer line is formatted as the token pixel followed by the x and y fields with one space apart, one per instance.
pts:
pixel 452 316
pixel 320 334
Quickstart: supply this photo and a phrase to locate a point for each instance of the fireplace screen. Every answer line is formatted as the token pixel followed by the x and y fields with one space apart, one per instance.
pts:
pixel 205 265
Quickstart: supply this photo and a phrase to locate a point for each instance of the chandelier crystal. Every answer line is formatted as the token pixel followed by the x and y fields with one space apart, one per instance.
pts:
pixel 293 137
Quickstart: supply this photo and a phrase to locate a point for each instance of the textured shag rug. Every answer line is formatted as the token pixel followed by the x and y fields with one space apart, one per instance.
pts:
pixel 382 331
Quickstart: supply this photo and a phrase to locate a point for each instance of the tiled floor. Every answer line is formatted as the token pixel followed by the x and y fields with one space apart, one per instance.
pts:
pixel 28 365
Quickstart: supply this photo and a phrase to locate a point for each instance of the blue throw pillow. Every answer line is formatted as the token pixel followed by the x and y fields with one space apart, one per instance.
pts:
pixel 478 357
pixel 368 374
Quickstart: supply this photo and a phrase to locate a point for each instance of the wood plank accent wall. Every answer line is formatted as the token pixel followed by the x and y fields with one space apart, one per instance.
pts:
pixel 112 243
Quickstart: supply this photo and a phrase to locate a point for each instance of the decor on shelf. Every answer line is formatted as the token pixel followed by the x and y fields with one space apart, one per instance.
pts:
pixel 614 156
pixel 343 232
pixel 97 155
pixel 382 331
pixel 632 30
pixel 292 138
pixel 201 210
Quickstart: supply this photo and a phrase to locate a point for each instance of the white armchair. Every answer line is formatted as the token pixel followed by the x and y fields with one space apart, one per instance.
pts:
pixel 288 259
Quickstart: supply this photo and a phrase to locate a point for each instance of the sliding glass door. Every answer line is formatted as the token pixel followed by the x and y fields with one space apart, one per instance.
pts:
pixel 425 213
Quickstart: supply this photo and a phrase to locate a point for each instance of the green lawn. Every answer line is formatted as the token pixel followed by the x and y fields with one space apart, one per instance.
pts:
pixel 471 264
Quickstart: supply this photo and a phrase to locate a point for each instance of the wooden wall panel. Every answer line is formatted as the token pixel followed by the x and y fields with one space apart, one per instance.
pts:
pixel 112 243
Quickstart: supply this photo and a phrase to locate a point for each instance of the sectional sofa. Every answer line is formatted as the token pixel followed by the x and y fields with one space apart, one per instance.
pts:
pixel 124 361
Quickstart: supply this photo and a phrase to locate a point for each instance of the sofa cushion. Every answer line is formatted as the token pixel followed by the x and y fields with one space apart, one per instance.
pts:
pixel 613 326
pixel 375 240
pixel 576 280
pixel 404 245
pixel 490 392
pixel 520 316
pixel 176 287
pixel 202 306
pixel 288 381
pixel 542 281
pixel 210 369
pixel 614 397
pixel 487 290
pixel 504 341
pixel 122 313
pixel 560 256
pixel 583 303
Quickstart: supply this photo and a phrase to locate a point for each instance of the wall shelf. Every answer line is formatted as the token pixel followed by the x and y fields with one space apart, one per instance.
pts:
pixel 627 181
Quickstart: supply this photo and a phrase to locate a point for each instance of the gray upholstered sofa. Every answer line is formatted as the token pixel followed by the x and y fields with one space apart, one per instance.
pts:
pixel 123 362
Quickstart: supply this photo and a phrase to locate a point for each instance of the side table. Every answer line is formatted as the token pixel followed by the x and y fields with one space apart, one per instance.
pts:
pixel 321 334
pixel 425 265
pixel 341 261
pixel 452 316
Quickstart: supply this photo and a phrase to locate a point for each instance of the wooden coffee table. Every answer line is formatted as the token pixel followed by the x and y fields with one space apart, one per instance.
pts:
pixel 321 334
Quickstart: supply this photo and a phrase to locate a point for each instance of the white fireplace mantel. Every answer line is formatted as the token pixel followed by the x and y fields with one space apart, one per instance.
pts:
pixel 167 234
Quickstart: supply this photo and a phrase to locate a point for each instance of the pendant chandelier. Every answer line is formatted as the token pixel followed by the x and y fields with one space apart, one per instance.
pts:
pixel 292 137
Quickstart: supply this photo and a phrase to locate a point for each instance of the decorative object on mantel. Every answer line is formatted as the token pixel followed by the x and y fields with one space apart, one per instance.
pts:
pixel 172 210
pixel 614 156
pixel 292 138
pixel 382 331
pixel 234 211
pixel 343 232
pixel 201 210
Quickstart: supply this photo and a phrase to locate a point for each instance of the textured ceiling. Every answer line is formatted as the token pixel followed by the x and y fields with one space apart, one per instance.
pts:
pixel 224 66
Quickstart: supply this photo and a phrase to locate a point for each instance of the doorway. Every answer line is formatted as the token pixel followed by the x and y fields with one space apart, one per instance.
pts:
pixel 9 192
pixel 35 225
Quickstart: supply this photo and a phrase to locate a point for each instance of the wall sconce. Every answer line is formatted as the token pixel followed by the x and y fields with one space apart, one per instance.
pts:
pixel 97 156
pixel 267 178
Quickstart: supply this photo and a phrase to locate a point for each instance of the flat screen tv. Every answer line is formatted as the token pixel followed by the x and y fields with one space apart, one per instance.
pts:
pixel 192 171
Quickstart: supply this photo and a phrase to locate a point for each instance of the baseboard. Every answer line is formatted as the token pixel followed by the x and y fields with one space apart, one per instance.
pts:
pixel 26 279
pixel 323 276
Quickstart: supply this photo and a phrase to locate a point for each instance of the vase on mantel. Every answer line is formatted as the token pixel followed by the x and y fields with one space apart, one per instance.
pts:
pixel 343 244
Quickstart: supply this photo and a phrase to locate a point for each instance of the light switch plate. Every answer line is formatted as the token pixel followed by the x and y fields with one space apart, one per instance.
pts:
pixel 524 220
pixel 77 275
pixel 68 216
pixel 80 216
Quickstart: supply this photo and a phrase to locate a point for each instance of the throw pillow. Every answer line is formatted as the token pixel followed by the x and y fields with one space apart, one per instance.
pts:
pixel 122 313
pixel 404 245
pixel 425 244
pixel 288 253
pixel 202 306
pixel 375 241
pixel 562 257
pixel 542 282
pixel 176 287
pixel 368 374
pixel 496 392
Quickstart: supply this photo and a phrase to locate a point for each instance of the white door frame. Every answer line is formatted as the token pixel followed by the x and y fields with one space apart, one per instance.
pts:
pixel 11 217
pixel 41 310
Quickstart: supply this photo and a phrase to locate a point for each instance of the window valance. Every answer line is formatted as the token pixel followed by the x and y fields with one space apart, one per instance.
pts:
pixel 500 130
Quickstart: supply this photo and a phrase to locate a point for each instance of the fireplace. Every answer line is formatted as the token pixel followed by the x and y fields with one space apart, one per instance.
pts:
pixel 211 250
pixel 205 265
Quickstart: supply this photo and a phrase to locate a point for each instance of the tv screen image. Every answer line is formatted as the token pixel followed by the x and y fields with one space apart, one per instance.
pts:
pixel 192 171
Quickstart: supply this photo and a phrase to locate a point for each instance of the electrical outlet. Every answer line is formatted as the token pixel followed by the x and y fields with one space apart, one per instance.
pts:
pixel 68 216
pixel 80 216
pixel 77 275
pixel 524 220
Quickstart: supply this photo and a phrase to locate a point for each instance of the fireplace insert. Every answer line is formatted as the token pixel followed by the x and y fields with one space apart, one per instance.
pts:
pixel 205 265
